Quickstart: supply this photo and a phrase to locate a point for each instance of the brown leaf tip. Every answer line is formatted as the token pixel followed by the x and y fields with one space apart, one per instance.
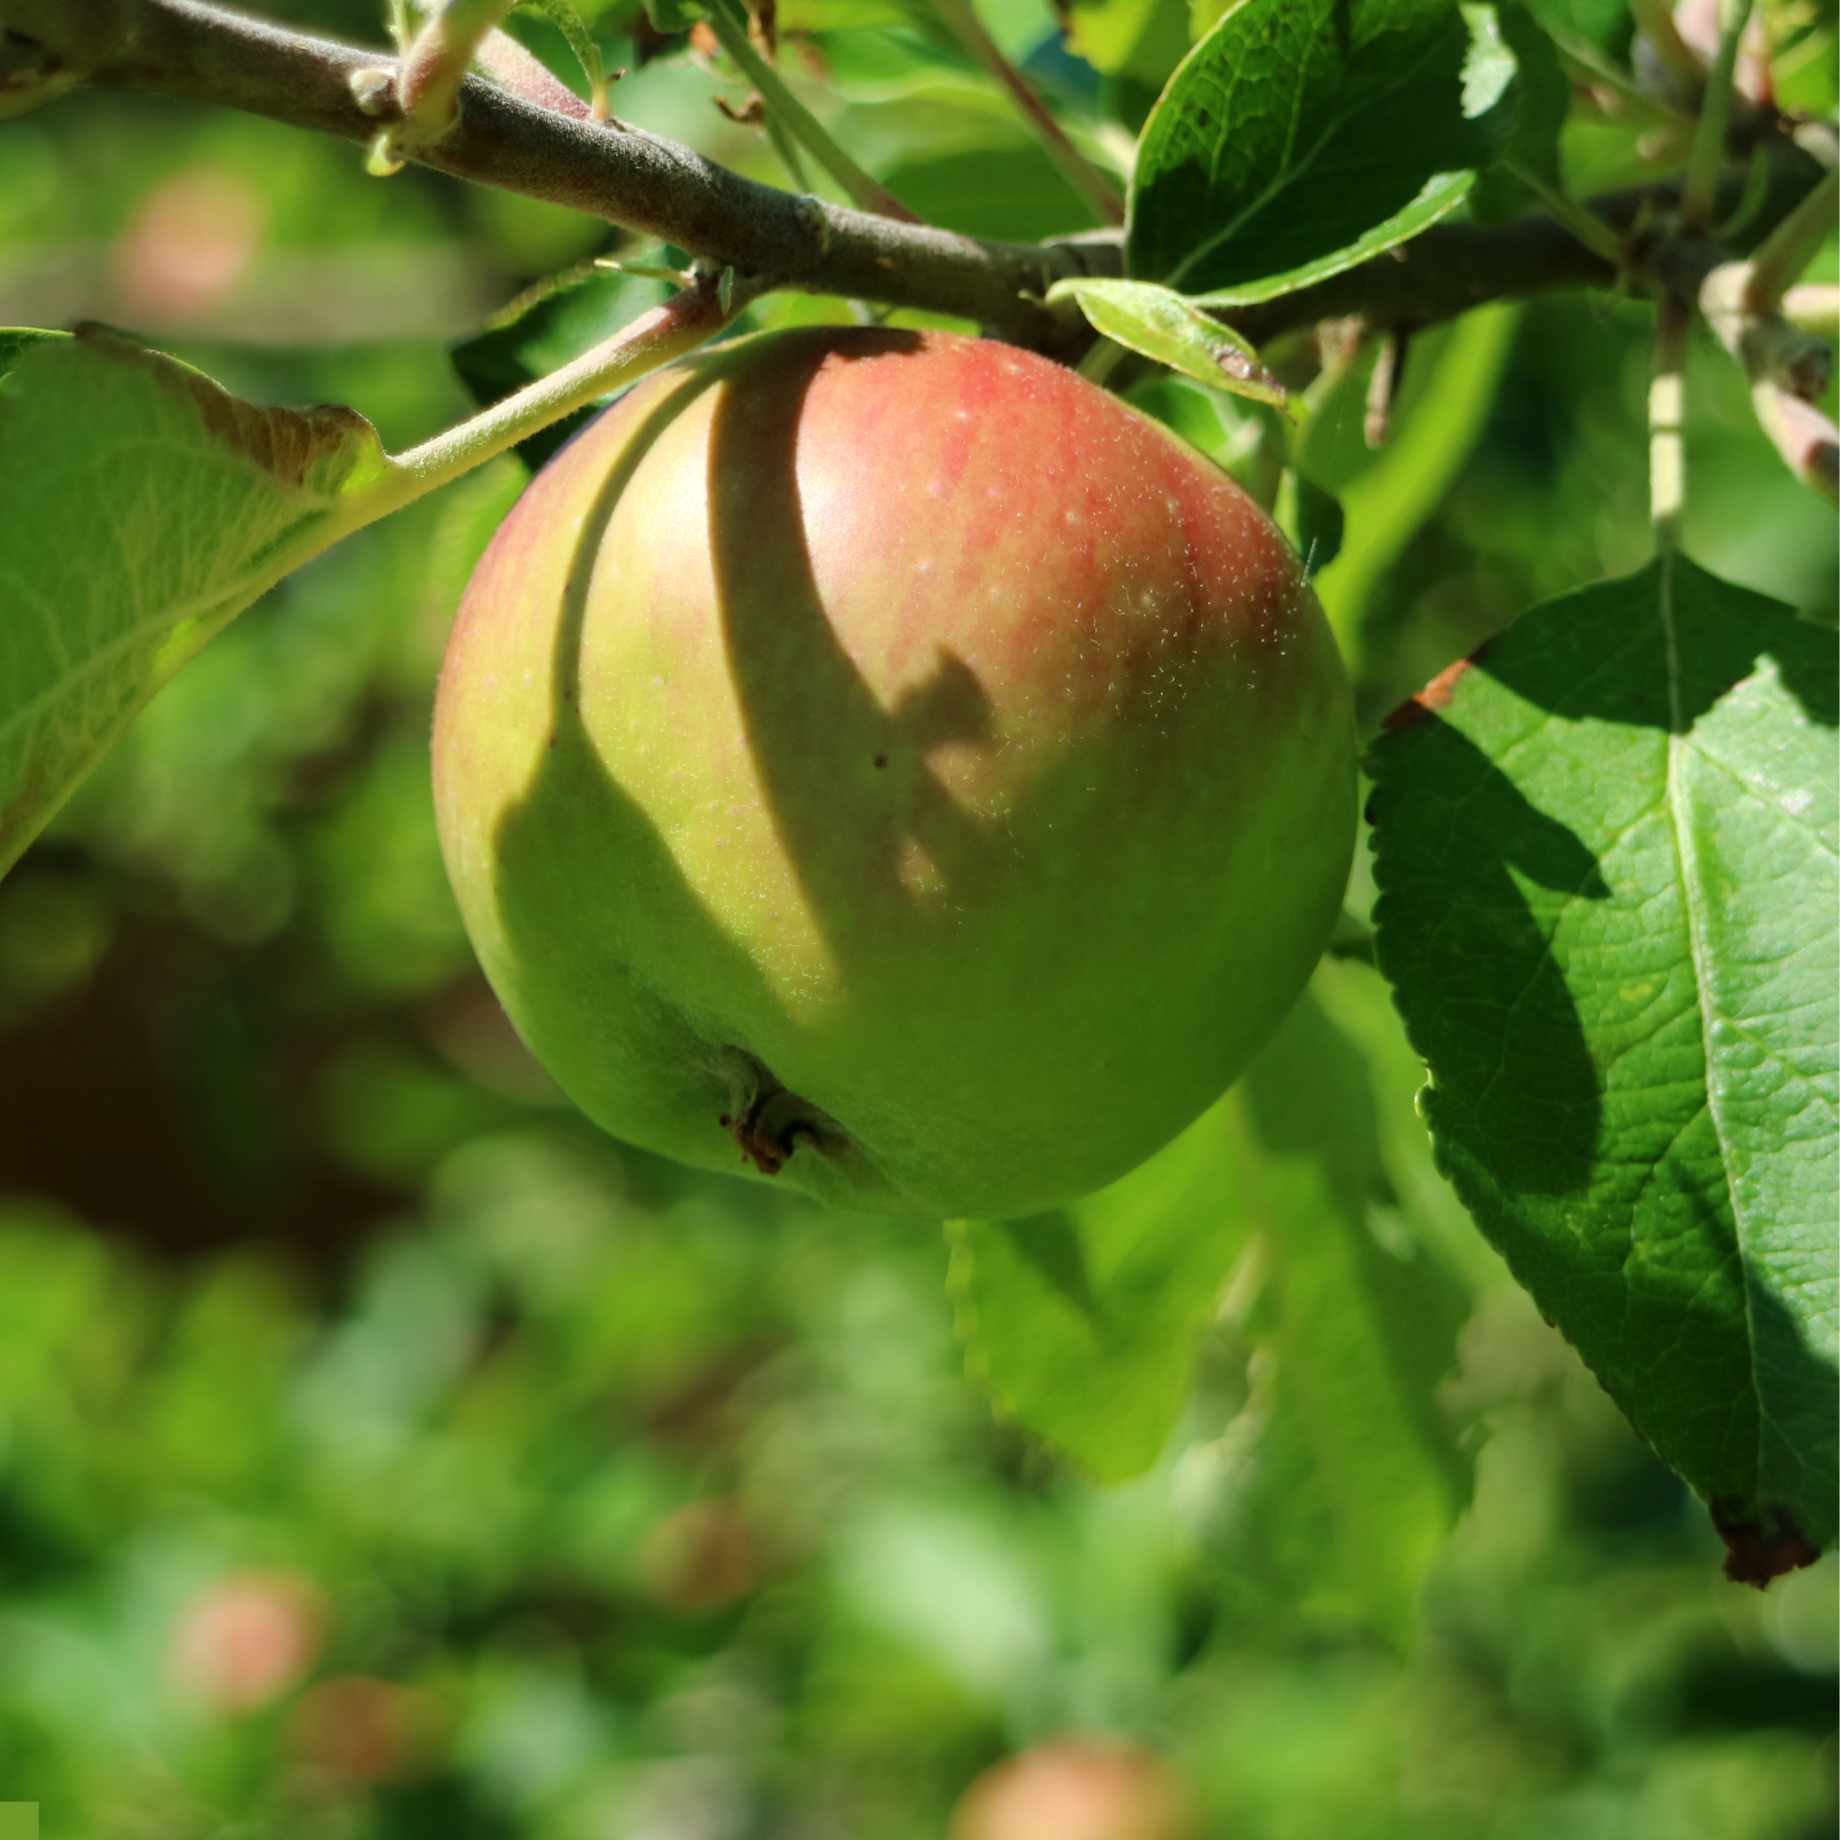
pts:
pixel 1436 695
pixel 1758 1550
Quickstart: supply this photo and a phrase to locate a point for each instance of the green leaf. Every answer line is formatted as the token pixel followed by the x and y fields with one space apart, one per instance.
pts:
pixel 1312 518
pixel 1000 186
pixel 142 508
pixel 1543 98
pixel 1603 25
pixel 1607 872
pixel 669 16
pixel 1359 1478
pixel 1805 66
pixel 1084 1323
pixel 1158 323
pixel 17 341
pixel 1301 137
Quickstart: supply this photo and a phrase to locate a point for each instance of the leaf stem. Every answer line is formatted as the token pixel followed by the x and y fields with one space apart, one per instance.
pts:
pixel 1807 441
pixel 1770 346
pixel 787 149
pixel 655 338
pixel 1707 158
pixel 1382 384
pixel 1780 258
pixel 804 126
pixel 513 68
pixel 435 65
pixel 1590 230
pixel 1103 357
pixel 1584 65
pixel 1814 307
pixel 962 21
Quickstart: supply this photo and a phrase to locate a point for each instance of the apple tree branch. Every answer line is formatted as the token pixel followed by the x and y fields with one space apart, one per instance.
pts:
pixel 654 186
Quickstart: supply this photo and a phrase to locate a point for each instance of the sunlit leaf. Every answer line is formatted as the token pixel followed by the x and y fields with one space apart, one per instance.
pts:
pixel 1158 323
pixel 1298 139
pixel 141 508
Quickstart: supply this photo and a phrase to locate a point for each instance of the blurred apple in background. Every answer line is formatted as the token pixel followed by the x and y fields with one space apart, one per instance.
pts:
pixel 1076 1789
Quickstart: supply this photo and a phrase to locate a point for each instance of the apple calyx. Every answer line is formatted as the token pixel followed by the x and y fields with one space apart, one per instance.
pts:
pixel 768 1120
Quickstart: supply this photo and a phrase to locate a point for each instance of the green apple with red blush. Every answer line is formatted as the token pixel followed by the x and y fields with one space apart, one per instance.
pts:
pixel 887 765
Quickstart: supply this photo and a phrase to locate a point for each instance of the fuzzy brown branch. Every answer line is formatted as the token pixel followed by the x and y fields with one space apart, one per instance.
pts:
pixel 642 182
pixel 654 186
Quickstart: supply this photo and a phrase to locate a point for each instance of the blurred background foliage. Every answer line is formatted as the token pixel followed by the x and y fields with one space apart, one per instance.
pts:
pixel 384 1453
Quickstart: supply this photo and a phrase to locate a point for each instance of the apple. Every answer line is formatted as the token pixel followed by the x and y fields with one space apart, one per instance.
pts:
pixel 247 1639
pixel 1075 1789
pixel 887 764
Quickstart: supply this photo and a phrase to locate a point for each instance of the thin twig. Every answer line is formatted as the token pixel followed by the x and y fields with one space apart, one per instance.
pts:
pixel 1591 231
pixel 1707 159
pixel 654 339
pixel 787 149
pixel 799 121
pixel 1780 258
pixel 1814 307
pixel 1808 442
pixel 1080 173
pixel 1382 386
pixel 643 182
pixel 1770 346
pixel 1584 65
pixel 435 65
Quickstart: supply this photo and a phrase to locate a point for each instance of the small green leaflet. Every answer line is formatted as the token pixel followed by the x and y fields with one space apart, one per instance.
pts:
pixel 1608 875
pixel 1158 323
pixel 142 508
pixel 1301 137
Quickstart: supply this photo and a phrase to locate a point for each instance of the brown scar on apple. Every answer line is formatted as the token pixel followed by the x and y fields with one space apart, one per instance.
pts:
pixel 1761 1548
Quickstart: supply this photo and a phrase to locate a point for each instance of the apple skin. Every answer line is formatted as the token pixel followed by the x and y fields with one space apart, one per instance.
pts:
pixel 886 763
